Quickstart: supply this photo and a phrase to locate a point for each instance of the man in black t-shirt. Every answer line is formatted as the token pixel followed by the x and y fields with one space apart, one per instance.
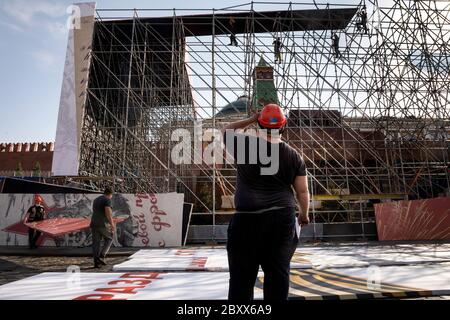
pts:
pixel 34 214
pixel 263 230
pixel 102 227
pixel 277 45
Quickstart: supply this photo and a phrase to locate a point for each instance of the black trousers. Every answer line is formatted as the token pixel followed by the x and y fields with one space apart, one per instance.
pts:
pixel 264 239
pixel 33 236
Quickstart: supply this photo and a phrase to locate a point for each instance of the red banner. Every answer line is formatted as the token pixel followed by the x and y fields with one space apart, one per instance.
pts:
pixel 61 226
pixel 427 219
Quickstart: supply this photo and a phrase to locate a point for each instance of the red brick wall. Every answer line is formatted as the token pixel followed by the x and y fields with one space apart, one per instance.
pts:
pixel 27 154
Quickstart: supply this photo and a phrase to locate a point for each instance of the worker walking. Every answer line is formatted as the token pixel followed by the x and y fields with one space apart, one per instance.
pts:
pixel 262 232
pixel 277 45
pixel 102 227
pixel 362 23
pixel 232 23
pixel 34 214
pixel 335 43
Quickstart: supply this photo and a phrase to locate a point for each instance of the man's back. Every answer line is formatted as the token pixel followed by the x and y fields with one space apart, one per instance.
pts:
pixel 256 191
pixel 277 45
pixel 268 238
pixel 99 218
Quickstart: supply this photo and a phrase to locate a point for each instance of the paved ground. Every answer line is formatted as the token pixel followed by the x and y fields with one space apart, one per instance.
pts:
pixel 14 268
pixel 20 262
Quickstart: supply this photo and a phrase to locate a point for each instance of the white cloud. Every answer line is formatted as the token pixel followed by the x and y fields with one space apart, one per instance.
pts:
pixel 45 15
pixel 11 26
pixel 57 29
pixel 26 11
pixel 45 59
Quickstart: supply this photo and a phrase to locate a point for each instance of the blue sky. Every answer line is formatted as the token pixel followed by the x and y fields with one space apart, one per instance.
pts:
pixel 33 44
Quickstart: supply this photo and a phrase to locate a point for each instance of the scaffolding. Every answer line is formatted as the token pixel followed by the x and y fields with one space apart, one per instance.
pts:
pixel 365 87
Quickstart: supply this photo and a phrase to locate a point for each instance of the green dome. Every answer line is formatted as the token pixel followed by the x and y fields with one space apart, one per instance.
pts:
pixel 236 107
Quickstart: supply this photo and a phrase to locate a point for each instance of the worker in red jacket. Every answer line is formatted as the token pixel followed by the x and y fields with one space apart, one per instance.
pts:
pixel 34 214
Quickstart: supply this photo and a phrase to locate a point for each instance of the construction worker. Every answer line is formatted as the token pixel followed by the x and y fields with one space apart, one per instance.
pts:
pixel 233 41
pixel 362 23
pixel 277 45
pixel 262 232
pixel 335 42
pixel 34 214
pixel 102 227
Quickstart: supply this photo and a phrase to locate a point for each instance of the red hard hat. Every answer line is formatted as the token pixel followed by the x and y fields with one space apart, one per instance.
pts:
pixel 38 199
pixel 272 117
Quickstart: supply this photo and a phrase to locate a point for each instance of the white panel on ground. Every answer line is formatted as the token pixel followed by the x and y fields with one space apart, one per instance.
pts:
pixel 186 259
pixel 343 283
pixel 348 256
pixel 304 257
pixel 107 286
pixel 211 263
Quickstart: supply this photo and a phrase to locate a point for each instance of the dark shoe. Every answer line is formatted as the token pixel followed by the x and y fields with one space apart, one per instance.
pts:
pixel 101 261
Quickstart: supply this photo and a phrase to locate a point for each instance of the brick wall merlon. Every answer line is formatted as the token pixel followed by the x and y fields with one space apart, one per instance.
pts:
pixel 27 147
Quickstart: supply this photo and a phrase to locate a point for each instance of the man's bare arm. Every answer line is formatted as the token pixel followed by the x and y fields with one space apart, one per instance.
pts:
pixel 241 124
pixel 108 212
pixel 302 191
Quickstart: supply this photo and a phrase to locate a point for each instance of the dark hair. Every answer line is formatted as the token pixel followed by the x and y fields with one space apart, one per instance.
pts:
pixel 108 191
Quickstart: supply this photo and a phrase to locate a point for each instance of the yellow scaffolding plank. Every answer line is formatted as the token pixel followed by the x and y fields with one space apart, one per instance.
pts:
pixel 357 196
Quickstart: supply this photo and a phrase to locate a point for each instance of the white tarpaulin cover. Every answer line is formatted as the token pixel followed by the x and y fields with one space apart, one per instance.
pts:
pixel 106 286
pixel 176 260
pixel 341 283
pixel 304 257
pixel 185 260
pixel 380 255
